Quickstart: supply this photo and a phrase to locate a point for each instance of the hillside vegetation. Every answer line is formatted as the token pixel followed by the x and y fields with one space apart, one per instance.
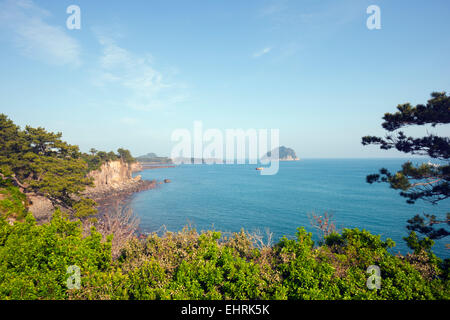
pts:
pixel 34 260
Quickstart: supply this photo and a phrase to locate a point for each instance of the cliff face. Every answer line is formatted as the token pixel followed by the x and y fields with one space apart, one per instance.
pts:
pixel 114 182
pixel 113 175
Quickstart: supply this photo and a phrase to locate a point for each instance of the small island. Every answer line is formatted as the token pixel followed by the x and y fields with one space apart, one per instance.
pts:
pixel 284 154
pixel 152 158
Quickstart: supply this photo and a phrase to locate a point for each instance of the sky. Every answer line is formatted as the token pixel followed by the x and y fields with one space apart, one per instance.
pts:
pixel 137 70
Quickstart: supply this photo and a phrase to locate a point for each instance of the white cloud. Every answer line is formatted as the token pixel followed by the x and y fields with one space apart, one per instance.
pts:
pixel 262 52
pixel 36 38
pixel 145 87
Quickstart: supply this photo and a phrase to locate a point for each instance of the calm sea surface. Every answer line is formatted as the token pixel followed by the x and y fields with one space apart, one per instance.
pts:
pixel 231 197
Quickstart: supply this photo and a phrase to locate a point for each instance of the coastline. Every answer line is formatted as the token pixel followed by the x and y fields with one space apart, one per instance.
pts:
pixel 114 185
pixel 105 198
pixel 112 195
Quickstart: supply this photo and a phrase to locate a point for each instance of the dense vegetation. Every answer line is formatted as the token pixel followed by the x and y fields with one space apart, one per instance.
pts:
pixel 34 261
pixel 427 182
pixel 13 202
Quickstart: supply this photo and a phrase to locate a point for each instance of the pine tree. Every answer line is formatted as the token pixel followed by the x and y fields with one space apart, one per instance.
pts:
pixel 39 162
pixel 428 181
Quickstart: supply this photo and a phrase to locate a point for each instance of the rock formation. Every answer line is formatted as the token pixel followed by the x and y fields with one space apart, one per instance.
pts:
pixel 114 180
pixel 41 207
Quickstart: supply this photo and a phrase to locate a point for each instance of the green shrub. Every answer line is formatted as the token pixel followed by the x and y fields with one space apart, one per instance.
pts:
pixel 34 259
pixel 189 265
pixel 12 201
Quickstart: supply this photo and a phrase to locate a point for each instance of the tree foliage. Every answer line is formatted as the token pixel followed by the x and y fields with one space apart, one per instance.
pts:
pixel 429 182
pixel 96 158
pixel 39 162
pixel 125 155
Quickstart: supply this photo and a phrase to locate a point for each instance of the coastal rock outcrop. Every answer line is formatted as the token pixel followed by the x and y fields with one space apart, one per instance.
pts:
pixel 114 181
pixel 111 175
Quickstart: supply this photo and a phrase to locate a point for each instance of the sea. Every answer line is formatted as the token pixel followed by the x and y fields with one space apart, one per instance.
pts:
pixel 232 197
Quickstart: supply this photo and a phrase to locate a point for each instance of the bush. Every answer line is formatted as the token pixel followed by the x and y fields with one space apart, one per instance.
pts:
pixel 34 259
pixel 191 265
pixel 12 201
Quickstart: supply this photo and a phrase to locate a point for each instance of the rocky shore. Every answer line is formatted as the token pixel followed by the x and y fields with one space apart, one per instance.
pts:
pixel 106 197
pixel 114 182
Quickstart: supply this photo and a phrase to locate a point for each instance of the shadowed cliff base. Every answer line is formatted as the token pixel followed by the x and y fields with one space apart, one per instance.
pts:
pixel 107 198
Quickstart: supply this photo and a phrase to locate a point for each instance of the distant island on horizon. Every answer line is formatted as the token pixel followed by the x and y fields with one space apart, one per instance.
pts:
pixel 152 158
pixel 284 154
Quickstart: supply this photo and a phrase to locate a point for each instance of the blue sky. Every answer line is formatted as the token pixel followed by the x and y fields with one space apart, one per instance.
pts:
pixel 137 70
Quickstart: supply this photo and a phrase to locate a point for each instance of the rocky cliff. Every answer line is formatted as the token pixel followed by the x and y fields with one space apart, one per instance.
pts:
pixel 114 178
pixel 111 175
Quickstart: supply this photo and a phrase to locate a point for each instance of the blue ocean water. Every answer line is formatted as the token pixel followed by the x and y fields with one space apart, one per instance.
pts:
pixel 231 197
